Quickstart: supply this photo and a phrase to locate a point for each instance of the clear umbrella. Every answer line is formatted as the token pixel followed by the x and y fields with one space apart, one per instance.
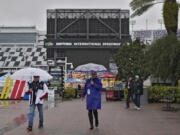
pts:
pixel 28 73
pixel 91 67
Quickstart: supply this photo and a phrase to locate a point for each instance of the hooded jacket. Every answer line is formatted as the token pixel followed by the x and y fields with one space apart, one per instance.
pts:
pixel 93 93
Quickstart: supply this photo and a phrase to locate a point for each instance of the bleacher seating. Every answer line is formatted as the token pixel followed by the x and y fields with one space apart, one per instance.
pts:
pixel 17 37
pixel 22 57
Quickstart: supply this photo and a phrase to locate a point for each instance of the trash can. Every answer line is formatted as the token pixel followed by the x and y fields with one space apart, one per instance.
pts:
pixel 114 94
pixel 109 94
pixel 144 97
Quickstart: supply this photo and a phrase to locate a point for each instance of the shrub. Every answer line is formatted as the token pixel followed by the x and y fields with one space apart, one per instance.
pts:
pixel 55 85
pixel 178 94
pixel 156 93
pixel 125 92
pixel 69 93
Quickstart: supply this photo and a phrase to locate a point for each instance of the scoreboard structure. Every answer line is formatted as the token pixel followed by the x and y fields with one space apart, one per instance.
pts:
pixel 86 35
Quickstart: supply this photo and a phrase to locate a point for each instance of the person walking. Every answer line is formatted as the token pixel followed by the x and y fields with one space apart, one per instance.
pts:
pixel 78 90
pixel 129 86
pixel 37 90
pixel 92 91
pixel 138 91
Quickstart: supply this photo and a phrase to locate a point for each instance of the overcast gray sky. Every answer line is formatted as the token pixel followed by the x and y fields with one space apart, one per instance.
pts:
pixel 33 12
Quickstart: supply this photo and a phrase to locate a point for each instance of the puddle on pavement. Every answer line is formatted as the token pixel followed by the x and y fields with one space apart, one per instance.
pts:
pixel 13 123
pixel 21 119
pixel 5 104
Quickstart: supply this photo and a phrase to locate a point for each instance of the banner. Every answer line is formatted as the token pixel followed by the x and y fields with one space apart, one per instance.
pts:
pixel 51 95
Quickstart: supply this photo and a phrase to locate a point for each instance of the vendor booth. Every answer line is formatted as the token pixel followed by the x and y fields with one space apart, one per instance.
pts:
pixel 114 89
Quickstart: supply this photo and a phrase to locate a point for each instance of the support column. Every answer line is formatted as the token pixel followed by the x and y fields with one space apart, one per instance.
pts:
pixel 87 26
pixel 55 27
pixel 120 24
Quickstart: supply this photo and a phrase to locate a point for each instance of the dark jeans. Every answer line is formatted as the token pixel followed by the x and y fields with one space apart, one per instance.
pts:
pixel 90 114
pixel 32 111
pixel 137 100
pixel 129 96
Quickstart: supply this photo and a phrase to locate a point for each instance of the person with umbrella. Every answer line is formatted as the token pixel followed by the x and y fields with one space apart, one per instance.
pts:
pixel 38 90
pixel 92 91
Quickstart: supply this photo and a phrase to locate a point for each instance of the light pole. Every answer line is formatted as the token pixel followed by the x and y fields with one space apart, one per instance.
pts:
pixel 71 65
pixel 160 21
pixel 50 64
pixel 146 24
pixel 65 68
pixel 132 23
pixel 65 63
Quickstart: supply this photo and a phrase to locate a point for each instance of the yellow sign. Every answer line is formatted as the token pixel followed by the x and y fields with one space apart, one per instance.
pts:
pixel 9 88
pixel 111 84
pixel 5 87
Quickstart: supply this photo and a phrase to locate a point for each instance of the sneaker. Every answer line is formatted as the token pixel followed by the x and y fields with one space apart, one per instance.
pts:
pixel 40 126
pixel 91 128
pixel 138 108
pixel 29 128
pixel 97 124
pixel 135 107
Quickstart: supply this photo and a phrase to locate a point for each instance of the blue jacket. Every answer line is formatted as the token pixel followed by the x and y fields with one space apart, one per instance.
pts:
pixel 93 92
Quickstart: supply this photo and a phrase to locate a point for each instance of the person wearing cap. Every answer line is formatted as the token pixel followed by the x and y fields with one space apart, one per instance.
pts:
pixel 37 90
pixel 92 91
pixel 138 91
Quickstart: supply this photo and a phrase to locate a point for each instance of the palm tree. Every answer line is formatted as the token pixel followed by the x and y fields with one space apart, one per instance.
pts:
pixel 170 11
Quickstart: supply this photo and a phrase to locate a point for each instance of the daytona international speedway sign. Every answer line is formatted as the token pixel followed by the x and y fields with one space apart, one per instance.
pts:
pixel 83 44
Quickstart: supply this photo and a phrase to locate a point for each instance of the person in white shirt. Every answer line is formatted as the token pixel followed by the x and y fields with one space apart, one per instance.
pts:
pixel 37 90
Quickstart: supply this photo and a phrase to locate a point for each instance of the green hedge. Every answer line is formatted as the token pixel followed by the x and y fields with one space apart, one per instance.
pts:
pixel 125 92
pixel 69 93
pixel 55 85
pixel 178 94
pixel 156 93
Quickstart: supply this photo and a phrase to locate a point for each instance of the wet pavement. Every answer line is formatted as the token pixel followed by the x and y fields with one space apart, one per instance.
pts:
pixel 70 118
pixel 14 113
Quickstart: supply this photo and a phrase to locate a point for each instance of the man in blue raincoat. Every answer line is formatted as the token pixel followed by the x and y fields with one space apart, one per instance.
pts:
pixel 92 91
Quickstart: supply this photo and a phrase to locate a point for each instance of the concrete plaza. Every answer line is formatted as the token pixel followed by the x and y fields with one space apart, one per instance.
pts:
pixel 71 118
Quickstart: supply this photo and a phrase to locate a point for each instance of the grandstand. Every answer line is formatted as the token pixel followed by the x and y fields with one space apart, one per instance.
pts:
pixel 21 47
pixel 18 36
pixel 21 57
pixel 148 36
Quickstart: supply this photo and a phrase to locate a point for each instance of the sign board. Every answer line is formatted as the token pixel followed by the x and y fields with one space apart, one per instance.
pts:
pixel 51 95
pixel 82 43
pixel 113 68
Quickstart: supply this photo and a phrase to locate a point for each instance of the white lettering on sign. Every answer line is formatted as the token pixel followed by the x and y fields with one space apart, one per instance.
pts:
pixel 64 43
pixel 87 43
pixel 111 44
